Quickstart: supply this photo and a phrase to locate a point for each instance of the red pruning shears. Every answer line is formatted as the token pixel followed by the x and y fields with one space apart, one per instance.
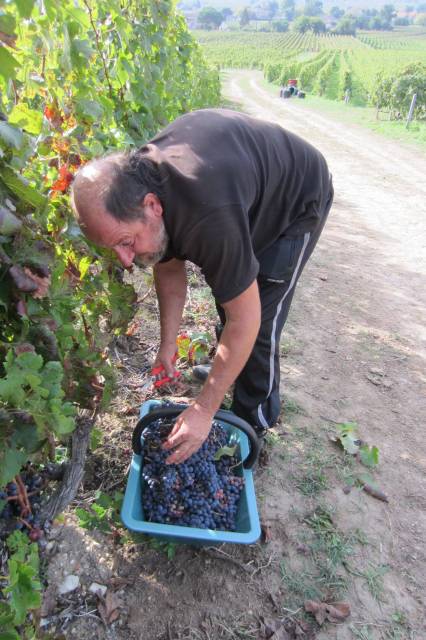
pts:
pixel 159 377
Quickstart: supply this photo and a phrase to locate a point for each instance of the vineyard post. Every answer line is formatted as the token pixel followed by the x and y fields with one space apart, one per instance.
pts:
pixel 411 111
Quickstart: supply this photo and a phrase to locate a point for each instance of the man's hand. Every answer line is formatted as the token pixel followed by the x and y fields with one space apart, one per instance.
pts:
pixel 188 434
pixel 165 357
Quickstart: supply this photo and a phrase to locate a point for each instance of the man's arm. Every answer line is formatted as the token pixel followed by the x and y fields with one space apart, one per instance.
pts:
pixel 170 285
pixel 236 343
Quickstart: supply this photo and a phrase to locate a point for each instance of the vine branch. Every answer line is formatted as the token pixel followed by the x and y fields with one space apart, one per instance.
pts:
pixel 98 47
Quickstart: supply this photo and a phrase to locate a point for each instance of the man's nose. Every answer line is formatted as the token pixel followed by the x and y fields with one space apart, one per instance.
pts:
pixel 125 255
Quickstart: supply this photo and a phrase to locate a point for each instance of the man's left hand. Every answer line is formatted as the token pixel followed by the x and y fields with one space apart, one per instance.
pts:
pixel 188 434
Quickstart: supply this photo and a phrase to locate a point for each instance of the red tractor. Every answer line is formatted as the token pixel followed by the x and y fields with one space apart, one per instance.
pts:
pixel 291 90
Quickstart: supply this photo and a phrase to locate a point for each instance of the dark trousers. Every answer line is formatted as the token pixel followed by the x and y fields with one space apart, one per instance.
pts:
pixel 256 392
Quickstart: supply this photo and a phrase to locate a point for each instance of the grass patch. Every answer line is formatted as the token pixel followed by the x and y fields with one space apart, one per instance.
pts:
pixel 328 549
pixel 312 476
pixel 290 407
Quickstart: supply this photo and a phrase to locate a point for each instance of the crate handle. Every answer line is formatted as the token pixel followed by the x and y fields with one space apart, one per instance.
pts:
pixel 222 414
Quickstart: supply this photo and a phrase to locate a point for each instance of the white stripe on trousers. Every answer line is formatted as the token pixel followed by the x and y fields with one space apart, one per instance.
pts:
pixel 274 327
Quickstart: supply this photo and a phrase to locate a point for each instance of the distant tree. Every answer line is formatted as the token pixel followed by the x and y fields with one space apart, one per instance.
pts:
pixel 409 8
pixel 288 8
pixel 313 8
pixel 377 23
pixel 226 12
pixel 209 18
pixel 280 26
pixel 421 8
pixel 421 19
pixel 388 12
pixel 245 17
pixel 401 22
pixel 337 12
pixel 318 25
pixel 302 24
pixel 346 26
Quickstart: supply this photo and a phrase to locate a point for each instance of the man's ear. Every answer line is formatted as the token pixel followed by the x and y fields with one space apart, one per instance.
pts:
pixel 153 204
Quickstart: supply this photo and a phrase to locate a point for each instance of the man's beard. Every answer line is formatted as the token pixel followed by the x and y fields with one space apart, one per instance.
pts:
pixel 149 259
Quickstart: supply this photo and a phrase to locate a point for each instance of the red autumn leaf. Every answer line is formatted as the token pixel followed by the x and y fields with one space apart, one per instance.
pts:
pixel 63 182
pixel 53 115
pixel 133 328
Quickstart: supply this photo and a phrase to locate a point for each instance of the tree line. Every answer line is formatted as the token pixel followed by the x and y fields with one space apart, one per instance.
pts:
pixel 280 16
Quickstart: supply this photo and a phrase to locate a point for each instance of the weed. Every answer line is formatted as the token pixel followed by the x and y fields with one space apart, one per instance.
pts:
pixel 312 479
pixel 300 585
pixel 399 628
pixel 373 577
pixel 361 633
pixel 291 407
pixel 272 438
pixel 331 542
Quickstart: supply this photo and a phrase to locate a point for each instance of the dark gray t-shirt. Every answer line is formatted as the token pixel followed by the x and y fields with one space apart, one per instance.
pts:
pixel 232 185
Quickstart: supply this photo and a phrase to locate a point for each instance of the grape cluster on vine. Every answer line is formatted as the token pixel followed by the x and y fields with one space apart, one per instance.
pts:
pixel 21 500
pixel 201 492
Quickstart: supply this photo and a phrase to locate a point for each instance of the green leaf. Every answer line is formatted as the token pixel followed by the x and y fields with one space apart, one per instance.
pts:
pixel 26 118
pixel 24 191
pixel 66 50
pixel 90 108
pixel 12 136
pixel 23 589
pixel 96 436
pixel 81 16
pixel 8 64
pixel 25 7
pixel 225 451
pixel 347 435
pixel 9 223
pixel 11 462
pixel 369 455
pixel 84 265
pixel 7 24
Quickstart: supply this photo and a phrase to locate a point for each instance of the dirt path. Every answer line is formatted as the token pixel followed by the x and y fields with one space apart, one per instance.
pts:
pixel 361 333
pixel 354 350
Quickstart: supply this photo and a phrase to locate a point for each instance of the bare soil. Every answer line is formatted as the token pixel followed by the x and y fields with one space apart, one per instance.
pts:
pixel 353 350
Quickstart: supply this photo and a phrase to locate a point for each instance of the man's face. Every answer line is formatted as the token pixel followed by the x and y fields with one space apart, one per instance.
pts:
pixel 141 242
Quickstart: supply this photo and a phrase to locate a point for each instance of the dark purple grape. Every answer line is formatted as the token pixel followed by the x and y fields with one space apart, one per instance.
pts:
pixel 199 492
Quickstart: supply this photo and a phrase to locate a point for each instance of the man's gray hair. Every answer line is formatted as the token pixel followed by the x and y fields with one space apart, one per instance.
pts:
pixel 122 180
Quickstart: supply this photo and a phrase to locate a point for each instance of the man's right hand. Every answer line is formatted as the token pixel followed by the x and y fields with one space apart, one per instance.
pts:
pixel 166 357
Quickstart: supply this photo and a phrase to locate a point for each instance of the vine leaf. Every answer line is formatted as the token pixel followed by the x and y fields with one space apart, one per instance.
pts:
pixel 225 451
pixel 369 455
pixel 9 223
pixel 11 462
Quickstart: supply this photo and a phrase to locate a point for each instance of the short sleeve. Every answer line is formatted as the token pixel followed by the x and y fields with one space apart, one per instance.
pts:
pixel 220 244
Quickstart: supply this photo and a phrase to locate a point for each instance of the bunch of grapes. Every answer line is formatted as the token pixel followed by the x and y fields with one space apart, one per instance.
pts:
pixel 21 500
pixel 200 492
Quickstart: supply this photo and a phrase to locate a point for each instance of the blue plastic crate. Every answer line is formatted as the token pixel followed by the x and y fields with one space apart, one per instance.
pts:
pixel 247 521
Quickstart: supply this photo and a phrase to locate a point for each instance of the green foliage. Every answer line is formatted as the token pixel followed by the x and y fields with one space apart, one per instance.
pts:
pixel 78 78
pixel 23 591
pixel 87 78
pixel 210 18
pixel 395 92
pixel 194 348
pixel 103 514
